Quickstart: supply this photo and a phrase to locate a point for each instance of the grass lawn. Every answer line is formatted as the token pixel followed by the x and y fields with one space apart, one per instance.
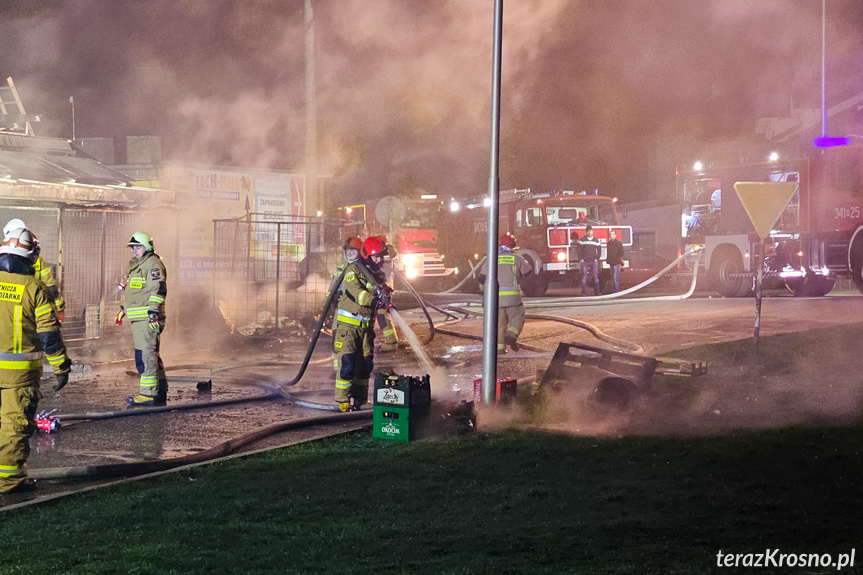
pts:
pixel 511 501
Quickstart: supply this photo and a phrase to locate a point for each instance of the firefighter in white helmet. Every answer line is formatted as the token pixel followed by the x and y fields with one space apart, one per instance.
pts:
pixel 42 270
pixel 144 303
pixel 29 331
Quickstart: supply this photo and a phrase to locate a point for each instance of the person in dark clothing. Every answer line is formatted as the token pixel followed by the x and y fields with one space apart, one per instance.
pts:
pixel 614 257
pixel 589 251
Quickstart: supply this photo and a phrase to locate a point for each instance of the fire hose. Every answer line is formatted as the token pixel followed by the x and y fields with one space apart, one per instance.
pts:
pixel 221 450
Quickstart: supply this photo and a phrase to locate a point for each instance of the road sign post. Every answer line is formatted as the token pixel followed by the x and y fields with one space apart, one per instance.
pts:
pixel 764 203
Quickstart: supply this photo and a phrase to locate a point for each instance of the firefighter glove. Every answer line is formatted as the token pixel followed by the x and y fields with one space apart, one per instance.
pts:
pixel 154 321
pixel 62 380
pixel 120 316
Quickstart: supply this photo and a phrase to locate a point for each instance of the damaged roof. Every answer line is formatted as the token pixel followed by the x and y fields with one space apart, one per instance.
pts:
pixel 52 160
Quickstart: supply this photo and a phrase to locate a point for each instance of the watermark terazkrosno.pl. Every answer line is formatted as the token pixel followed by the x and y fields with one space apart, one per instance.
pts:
pixel 775 558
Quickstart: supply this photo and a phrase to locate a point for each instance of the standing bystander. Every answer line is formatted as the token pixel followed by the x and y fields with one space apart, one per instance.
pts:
pixel 589 251
pixel 614 257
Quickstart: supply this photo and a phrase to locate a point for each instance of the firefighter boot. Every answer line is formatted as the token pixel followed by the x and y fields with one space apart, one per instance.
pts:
pixel 511 341
pixel 146 401
pixel 344 406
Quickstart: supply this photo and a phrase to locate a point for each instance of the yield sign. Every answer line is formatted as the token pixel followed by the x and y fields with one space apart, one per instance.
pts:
pixel 764 202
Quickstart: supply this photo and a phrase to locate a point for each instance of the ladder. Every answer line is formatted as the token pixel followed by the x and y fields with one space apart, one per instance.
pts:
pixel 13 117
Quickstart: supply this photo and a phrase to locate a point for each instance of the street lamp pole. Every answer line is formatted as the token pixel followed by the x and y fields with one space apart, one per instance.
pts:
pixel 490 301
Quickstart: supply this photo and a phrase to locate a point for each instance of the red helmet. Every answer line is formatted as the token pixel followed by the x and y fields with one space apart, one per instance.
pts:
pixel 507 240
pixel 353 242
pixel 373 246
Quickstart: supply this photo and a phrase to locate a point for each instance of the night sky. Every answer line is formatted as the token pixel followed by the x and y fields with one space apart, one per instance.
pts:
pixel 593 91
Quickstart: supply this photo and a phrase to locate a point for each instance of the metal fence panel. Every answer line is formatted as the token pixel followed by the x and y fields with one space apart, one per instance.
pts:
pixel 271 273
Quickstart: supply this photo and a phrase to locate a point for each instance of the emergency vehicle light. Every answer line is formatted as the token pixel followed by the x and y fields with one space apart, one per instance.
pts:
pixel 830 141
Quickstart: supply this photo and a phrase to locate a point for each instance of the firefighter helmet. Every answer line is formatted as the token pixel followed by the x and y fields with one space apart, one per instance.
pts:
pixel 353 242
pixel 373 246
pixel 21 242
pixel 12 225
pixel 507 241
pixel 141 239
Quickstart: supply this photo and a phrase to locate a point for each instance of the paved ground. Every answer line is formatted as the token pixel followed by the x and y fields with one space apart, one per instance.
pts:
pixel 658 327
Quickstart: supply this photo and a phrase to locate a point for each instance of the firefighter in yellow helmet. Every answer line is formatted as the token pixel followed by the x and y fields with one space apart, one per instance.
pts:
pixel 41 269
pixel 354 338
pixel 29 331
pixel 511 267
pixel 144 303
pixel 391 339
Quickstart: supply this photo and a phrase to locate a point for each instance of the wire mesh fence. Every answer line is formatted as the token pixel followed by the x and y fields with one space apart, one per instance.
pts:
pixel 271 273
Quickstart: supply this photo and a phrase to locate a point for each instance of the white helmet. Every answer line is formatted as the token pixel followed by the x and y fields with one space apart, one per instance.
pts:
pixel 12 225
pixel 21 242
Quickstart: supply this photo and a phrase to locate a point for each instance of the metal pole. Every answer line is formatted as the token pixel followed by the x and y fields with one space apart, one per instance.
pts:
pixel 490 301
pixel 759 277
pixel 278 261
pixel 313 201
pixel 823 67
pixel 72 101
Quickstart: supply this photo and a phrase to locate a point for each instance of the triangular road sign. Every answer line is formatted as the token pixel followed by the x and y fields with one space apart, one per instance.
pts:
pixel 764 202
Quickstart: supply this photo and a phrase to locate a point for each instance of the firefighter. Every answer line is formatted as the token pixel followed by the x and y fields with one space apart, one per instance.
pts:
pixel 351 247
pixel 391 336
pixel 29 330
pixel 43 270
pixel 144 303
pixel 354 339
pixel 511 267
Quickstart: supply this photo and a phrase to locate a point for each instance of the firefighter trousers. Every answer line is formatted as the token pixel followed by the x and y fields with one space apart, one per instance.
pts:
pixel 510 321
pixel 17 423
pixel 154 382
pixel 354 348
pixel 385 322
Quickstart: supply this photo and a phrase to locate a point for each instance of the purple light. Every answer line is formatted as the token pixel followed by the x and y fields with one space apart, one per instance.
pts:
pixel 830 141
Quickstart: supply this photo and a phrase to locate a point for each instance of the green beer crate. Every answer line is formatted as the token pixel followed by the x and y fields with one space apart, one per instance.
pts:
pixel 401 406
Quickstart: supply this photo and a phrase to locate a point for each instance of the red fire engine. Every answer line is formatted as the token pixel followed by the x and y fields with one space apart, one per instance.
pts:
pixel 816 239
pixel 411 227
pixel 546 227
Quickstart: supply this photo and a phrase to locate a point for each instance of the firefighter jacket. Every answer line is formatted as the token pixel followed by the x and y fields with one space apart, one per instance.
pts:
pixel 511 267
pixel 357 303
pixel 29 329
pixel 43 271
pixel 589 248
pixel 146 287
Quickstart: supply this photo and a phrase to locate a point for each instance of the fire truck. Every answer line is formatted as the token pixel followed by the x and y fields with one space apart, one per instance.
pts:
pixel 411 227
pixel 547 228
pixel 816 239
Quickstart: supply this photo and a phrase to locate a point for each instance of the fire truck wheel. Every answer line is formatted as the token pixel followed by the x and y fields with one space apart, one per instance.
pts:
pixel 811 286
pixel 534 285
pixel 726 267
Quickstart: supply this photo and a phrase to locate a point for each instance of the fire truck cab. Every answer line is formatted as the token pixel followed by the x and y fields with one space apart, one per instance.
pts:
pixel 547 228
pixel 815 240
pixel 411 228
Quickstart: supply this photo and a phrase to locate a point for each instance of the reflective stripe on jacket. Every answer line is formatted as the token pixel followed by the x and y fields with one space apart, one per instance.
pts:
pixel 146 287
pixel 25 312
pixel 356 299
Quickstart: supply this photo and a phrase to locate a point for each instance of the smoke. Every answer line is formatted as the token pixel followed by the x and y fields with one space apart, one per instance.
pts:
pixel 591 90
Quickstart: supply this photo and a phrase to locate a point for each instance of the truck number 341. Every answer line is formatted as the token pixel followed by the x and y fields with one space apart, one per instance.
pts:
pixel 843 213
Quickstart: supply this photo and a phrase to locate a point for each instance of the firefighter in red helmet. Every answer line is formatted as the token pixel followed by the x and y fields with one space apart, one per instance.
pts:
pixel 511 267
pixel 354 337
pixel 385 323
